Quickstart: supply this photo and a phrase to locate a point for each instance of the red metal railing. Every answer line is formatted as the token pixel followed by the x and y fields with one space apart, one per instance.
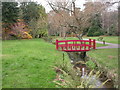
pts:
pixel 75 45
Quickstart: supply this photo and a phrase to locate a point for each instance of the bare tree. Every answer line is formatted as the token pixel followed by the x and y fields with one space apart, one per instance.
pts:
pixel 76 21
pixel 58 23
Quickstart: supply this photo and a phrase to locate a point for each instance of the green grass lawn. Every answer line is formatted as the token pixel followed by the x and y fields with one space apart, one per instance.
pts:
pixel 0 64
pixel 107 58
pixel 29 64
pixel 109 39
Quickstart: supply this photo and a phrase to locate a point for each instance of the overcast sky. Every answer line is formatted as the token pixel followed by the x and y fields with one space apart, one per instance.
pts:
pixel 79 3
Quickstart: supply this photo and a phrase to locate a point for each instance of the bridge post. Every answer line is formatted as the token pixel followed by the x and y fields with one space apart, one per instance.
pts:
pixel 66 45
pixel 94 44
pixel 57 44
pixel 90 42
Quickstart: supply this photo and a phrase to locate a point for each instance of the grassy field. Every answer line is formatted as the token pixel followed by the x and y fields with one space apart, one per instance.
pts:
pixel 28 64
pixel 0 64
pixel 109 39
pixel 106 57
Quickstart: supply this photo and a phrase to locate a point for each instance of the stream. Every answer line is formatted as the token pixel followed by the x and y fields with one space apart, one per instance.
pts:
pixel 93 80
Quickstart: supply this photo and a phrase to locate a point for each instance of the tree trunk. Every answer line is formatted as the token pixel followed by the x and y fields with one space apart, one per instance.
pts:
pixel 4 35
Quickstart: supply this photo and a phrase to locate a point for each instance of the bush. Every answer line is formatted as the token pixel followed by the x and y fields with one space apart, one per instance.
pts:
pixel 96 26
pixel 48 39
pixel 26 35
pixel 95 32
pixel 91 64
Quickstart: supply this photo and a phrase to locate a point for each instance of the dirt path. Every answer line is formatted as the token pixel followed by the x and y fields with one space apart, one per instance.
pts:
pixel 110 45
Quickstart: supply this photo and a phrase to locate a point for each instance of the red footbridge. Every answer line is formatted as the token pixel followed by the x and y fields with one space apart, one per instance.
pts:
pixel 75 45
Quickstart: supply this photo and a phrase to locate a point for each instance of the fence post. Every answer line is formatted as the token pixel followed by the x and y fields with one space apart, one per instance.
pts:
pixel 57 44
pixel 103 42
pixel 94 44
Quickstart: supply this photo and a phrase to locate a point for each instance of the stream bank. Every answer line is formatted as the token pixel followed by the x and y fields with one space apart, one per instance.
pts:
pixel 87 65
pixel 82 64
pixel 80 74
pixel 106 74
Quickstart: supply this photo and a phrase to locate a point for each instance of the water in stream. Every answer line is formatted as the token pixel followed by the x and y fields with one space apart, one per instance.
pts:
pixel 92 79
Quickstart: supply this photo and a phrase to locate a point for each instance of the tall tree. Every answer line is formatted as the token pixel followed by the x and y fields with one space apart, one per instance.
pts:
pixel 96 26
pixel 32 13
pixel 42 26
pixel 10 13
pixel 30 10
pixel 57 22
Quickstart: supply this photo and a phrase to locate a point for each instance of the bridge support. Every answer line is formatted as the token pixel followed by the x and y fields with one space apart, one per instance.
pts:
pixel 76 56
pixel 83 55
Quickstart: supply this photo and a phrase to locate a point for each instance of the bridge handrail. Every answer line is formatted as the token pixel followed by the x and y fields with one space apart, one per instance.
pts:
pixel 73 45
pixel 91 43
pixel 74 41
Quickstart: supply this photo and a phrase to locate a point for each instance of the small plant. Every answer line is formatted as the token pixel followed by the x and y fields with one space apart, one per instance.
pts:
pixel 20 30
pixel 100 38
pixel 91 64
